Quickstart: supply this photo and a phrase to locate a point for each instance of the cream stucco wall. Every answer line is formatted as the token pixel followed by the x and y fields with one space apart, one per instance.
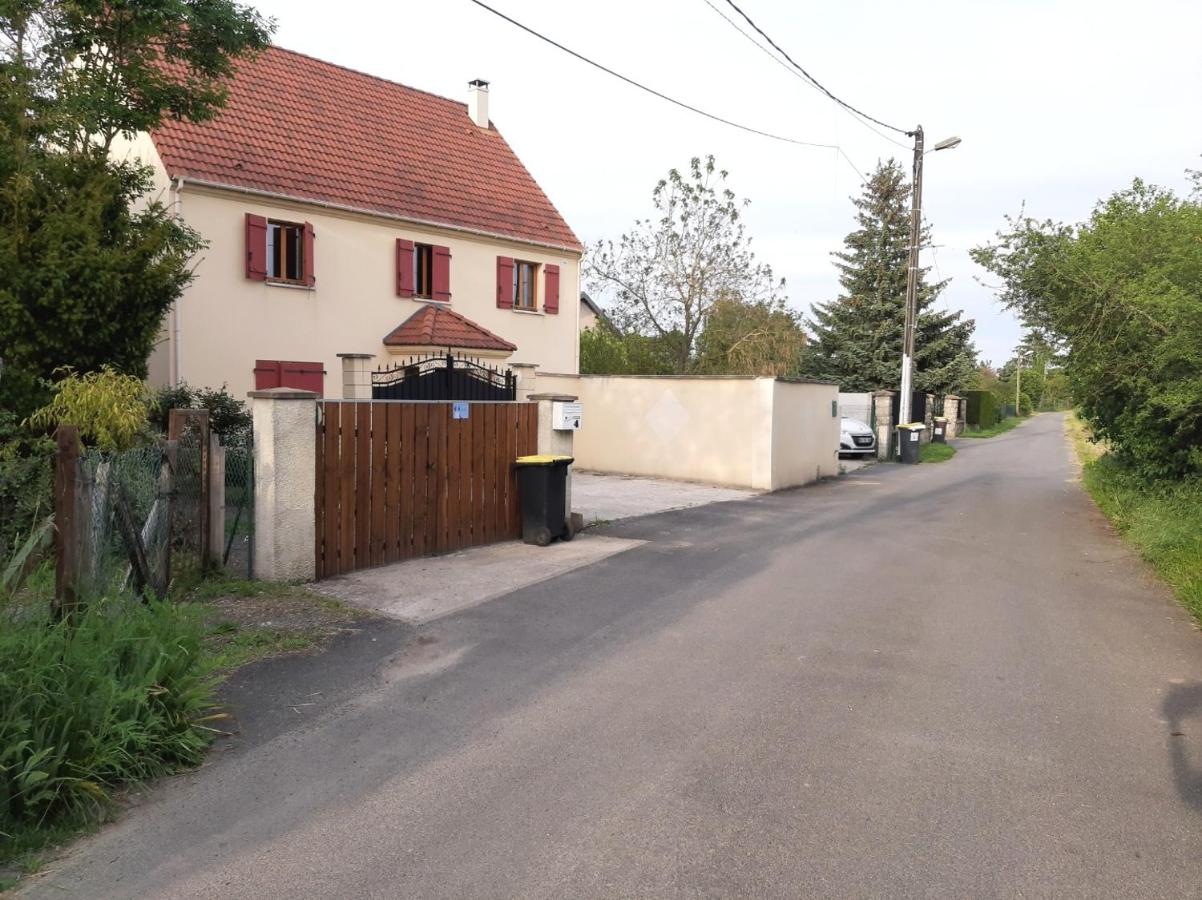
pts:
pixel 805 433
pixel 588 318
pixel 747 432
pixel 226 322
pixel 716 430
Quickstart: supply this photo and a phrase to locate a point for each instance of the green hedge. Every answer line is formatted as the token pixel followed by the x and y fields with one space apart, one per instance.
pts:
pixel 981 409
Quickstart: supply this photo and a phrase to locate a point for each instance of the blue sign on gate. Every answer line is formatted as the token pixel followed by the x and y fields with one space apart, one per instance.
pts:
pixel 459 410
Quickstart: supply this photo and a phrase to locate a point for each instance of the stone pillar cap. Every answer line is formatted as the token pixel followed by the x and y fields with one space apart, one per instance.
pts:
pixel 283 393
pixel 563 398
pixel 355 355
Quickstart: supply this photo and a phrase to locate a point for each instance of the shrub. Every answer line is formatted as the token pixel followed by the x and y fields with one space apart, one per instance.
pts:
pixel 108 408
pixel 26 481
pixel 228 416
pixel 121 697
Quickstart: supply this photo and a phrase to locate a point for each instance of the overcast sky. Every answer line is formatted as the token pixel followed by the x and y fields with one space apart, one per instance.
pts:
pixel 1058 102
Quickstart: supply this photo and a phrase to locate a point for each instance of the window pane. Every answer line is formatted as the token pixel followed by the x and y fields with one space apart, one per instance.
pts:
pixel 273 251
pixel 294 252
pixel 423 265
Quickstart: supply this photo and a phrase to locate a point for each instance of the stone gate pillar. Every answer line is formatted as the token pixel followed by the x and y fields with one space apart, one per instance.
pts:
pixel 285 423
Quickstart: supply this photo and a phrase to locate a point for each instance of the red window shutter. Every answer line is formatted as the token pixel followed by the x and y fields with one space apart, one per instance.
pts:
pixel 304 376
pixel 256 247
pixel 267 374
pixel 307 256
pixel 442 273
pixel 404 268
pixel 551 289
pixel 504 282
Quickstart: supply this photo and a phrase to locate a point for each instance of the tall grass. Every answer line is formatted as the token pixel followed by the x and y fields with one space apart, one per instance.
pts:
pixel 1161 517
pixel 121 697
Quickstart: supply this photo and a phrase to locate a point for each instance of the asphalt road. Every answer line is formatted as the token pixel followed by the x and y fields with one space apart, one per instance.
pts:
pixel 941 681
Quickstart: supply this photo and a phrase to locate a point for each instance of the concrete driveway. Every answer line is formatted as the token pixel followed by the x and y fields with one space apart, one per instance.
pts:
pixel 607 498
pixel 926 681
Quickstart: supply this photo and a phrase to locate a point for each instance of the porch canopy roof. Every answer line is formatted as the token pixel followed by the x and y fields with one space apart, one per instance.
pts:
pixel 437 326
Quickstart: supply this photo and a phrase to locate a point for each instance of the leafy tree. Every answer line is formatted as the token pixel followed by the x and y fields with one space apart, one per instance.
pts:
pixel 857 338
pixel 605 351
pixel 665 275
pixel 88 263
pixel 1123 293
pixel 762 338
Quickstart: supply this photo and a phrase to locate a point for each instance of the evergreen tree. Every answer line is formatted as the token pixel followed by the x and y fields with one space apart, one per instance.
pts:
pixel 90 259
pixel 857 338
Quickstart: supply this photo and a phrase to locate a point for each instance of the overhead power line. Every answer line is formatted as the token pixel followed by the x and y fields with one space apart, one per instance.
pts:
pixel 793 71
pixel 659 94
pixel 810 77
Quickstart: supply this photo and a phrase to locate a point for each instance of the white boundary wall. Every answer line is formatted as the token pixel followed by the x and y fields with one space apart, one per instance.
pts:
pixel 749 432
pixel 856 406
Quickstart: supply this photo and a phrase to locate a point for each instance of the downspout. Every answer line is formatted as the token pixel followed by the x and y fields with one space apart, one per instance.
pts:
pixel 576 306
pixel 177 205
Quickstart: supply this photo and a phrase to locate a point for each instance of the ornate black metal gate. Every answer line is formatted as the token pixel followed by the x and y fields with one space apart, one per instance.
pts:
pixel 444 377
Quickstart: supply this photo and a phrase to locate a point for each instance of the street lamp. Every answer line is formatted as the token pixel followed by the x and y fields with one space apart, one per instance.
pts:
pixel 907 378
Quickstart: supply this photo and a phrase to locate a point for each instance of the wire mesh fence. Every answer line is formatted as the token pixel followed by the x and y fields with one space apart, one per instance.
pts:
pixel 124 522
pixel 144 519
pixel 238 508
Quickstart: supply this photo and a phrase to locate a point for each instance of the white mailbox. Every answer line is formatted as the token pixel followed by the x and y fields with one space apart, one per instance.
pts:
pixel 565 416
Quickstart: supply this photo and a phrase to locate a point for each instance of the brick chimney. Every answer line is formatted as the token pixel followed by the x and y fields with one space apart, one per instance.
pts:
pixel 477 102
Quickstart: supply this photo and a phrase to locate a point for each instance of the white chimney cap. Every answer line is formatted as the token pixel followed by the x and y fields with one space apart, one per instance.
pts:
pixel 477 101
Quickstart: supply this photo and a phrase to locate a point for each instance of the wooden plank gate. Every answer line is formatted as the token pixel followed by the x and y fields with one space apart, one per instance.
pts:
pixel 398 479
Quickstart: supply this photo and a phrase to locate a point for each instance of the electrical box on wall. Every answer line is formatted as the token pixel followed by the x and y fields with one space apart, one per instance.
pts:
pixel 565 416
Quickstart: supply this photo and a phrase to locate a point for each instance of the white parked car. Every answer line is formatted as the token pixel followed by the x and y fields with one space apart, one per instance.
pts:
pixel 855 438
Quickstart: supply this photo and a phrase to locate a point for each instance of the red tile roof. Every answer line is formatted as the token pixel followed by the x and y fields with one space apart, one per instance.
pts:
pixel 437 326
pixel 309 129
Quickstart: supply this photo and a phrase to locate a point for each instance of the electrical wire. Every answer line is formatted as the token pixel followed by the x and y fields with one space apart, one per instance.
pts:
pixel 810 77
pixel 776 59
pixel 654 92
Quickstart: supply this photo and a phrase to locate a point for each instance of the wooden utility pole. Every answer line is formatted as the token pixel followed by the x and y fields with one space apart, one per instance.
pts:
pixel 66 526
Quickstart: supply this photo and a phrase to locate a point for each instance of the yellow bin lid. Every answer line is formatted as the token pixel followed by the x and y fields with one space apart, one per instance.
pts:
pixel 544 459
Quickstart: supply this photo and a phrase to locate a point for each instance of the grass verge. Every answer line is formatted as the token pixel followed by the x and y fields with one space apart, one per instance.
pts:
pixel 1163 518
pixel 936 453
pixel 993 430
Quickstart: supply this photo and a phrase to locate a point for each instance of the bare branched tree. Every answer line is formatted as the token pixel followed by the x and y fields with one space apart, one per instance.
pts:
pixel 662 278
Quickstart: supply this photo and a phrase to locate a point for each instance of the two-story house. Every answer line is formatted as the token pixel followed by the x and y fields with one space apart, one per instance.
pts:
pixel 349 214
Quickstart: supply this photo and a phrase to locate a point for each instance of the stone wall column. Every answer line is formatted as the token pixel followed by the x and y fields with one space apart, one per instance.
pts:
pixel 929 419
pixel 953 410
pixel 526 375
pixel 356 375
pixel 285 470
pixel 552 442
pixel 882 403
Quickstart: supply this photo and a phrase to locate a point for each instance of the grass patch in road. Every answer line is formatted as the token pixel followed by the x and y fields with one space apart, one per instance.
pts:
pixel 993 430
pixel 245 621
pixel 1162 518
pixel 936 453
